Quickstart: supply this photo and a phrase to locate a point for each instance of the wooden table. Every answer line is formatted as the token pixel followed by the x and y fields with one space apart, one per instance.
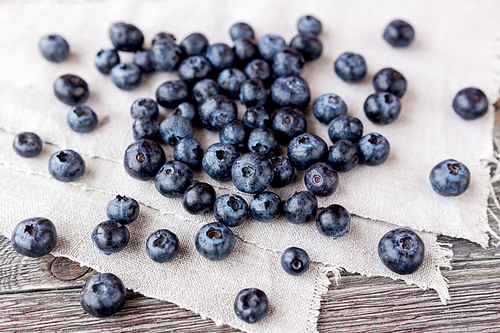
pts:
pixel 44 295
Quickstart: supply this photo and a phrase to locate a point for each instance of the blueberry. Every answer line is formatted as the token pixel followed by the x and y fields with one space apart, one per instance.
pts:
pixel 328 107
pixel 162 246
pixel 189 152
pixel 54 48
pixel 66 165
pixel 214 241
pixel 382 108
pixel 259 69
pixel 126 37
pixel 256 117
pixel 321 179
pixel 172 93
pixel 220 56
pixel 245 50
pixel 27 144
pixel 291 91
pixel 143 61
pixel 194 44
pixel 82 119
pixel 252 173
pixel 402 251
pixel 308 45
pixel 288 62
pixel 391 81
pixel 300 207
pixel 230 81
pixel 309 24
pixel 110 237
pixel 175 128
pixel 350 67
pixel 34 237
pixel 163 36
pixel 217 112
pixel 241 30
pixel 123 209
pixel 262 141
pixel 373 149
pixel 165 56
pixel 343 156
pixel 399 33
pixel 234 134
pixel 470 103
pixel 288 122
pixel 283 171
pixel 253 92
pixel 145 128
pixel 199 198
pixel 231 210
pixel 295 261
pixel 269 45
pixel 204 89
pixel 306 149
pixel 194 69
pixel 173 179
pixel 143 159
pixel 266 207
pixel 144 107
pixel 103 295
pixel 251 305
pixel 450 178
pixel 333 221
pixel 71 89
pixel 345 127
pixel 105 60
pixel 218 160
pixel 186 110
pixel 126 76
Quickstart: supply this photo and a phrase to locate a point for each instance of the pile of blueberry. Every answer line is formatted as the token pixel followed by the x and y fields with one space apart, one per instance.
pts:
pixel 264 76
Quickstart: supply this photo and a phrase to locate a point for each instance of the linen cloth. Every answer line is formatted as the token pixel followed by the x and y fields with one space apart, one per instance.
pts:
pixel 450 52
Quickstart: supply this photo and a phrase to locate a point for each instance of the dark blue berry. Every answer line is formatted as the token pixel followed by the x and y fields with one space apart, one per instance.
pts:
pixel 162 36
pixel 350 67
pixel 144 107
pixel 143 159
pixel 470 103
pixel 173 179
pixel 295 261
pixel 345 127
pixel 382 108
pixel 402 251
pixel 306 149
pixel 252 173
pixel 288 122
pixel 194 44
pixel 309 24
pixel 253 92
pixel 218 160
pixel 333 221
pixel 234 134
pixel 34 237
pixel 186 110
pixel 71 89
pixel 110 237
pixel 241 30
pixel 259 69
pixel 175 128
pixel 194 69
pixel 123 209
pixel 214 241
pixel 143 61
pixel 204 89
pixel 269 45
pixel 172 93
pixel 321 179
pixel 256 117
pixel 343 156
pixel 126 37
pixel 199 198
pixel 266 207
pixel 288 62
pixel 391 81
pixel 308 45
pixel 450 178
pixel 165 56
pixel 245 50
pixel 54 48
pixel 230 81
pixel 217 112
pixel 162 246
pixel 328 107
pixel 283 171
pixel 373 149
pixel 291 91
pixel 126 76
pixel 82 119
pixel 189 152
pixel 300 207
pixel 251 305
pixel 263 141
pixel 66 165
pixel 103 295
pixel 231 210
pixel 399 33
pixel 105 60
pixel 220 56
pixel 27 144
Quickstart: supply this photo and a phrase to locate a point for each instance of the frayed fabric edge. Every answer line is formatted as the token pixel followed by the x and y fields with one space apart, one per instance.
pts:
pixel 441 258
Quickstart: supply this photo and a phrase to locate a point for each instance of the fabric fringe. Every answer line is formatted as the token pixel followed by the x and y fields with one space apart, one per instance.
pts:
pixel 441 258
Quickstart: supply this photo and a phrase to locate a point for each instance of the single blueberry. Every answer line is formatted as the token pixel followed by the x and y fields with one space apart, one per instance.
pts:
pixel 470 103
pixel 321 179
pixel 194 44
pixel 252 173
pixel 189 152
pixel 220 56
pixel 391 81
pixel 218 160
pixel 333 221
pixel 165 56
pixel 173 179
pixel 266 207
pixel 144 107
pixel 402 251
pixel 269 45
pixel 105 60
pixel 373 149
pixel 288 62
pixel 163 36
pixel 350 67
pixel 126 76
pixel 343 156
pixel 143 159
pixel 172 93
pixel 230 81
pixel 34 237
pixel 288 122
pixel 144 128
pixel 186 110
pixel 295 261
pixel 306 149
pixel 256 117
pixel 253 92
pixel 245 50
pixel 199 198
pixel 300 207
pixel 143 61
pixel 66 165
pixel 110 237
pixel 162 246
pixel 382 108
pixel 217 112
pixel 309 24
pixel 194 69
pixel 71 89
pixel 103 295
pixel 283 171
pixel 231 210
pixel 251 305
pixel 450 178
pixel 234 134
pixel 126 37
pixel 214 241
pixel 204 89
pixel 82 119
pixel 345 127
pixel 263 141
pixel 308 45
pixel 328 107
pixel 241 30
pixel 123 209
pixel 27 144
pixel 291 91
pixel 175 128
pixel 259 69
pixel 399 33
pixel 54 48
